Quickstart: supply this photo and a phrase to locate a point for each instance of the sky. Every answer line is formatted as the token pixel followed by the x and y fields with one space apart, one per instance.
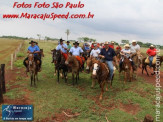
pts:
pixel 140 20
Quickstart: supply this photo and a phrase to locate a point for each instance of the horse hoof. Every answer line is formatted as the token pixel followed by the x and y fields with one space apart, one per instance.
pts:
pixel 100 98
pixel 107 89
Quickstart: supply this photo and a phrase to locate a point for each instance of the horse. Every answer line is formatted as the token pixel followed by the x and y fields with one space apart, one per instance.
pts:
pixel 59 62
pixel 127 68
pixel 100 72
pixel 41 54
pixel 33 68
pixel 89 67
pixel 144 64
pixel 74 64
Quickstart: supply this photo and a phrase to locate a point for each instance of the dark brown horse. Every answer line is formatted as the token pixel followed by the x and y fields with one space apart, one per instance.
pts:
pixel 75 66
pixel 33 68
pixel 144 64
pixel 127 68
pixel 60 65
pixel 41 54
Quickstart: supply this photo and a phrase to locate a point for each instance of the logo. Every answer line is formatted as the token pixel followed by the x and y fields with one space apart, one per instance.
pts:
pixel 17 112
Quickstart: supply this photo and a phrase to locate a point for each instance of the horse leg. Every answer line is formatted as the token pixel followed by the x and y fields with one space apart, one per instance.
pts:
pixel 102 90
pixel 107 85
pixel 146 70
pixel 76 78
pixel 31 74
pixel 65 76
pixel 73 78
pixel 153 70
pixel 58 74
pixel 55 72
pixel 35 79
pixel 93 83
pixel 125 77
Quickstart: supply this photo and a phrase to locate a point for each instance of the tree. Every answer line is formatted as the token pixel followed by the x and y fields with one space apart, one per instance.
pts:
pixel 39 36
pixel 125 41
pixel 86 39
pixel 68 33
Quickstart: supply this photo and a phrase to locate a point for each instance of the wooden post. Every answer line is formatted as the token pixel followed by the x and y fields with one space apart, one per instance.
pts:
pixel 1 94
pixel 3 78
pixel 15 55
pixel 12 61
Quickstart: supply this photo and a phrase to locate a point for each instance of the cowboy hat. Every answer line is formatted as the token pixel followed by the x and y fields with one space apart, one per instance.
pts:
pixel 112 42
pixel 152 46
pixel 61 40
pixel 127 45
pixel 134 41
pixel 32 42
pixel 106 43
pixel 68 41
pixel 76 42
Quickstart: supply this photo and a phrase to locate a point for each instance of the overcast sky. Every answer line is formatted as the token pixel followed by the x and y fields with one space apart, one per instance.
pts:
pixel 114 20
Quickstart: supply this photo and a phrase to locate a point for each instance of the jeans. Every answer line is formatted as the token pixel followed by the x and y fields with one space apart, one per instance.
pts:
pixel 111 68
pixel 150 60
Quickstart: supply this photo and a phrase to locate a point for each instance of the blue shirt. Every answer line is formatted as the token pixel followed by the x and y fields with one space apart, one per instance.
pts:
pixel 33 49
pixel 86 48
pixel 76 51
pixel 59 47
pixel 108 54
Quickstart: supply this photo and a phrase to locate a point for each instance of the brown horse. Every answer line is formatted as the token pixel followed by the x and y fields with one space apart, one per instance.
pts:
pixel 127 68
pixel 101 73
pixel 33 69
pixel 144 64
pixel 41 54
pixel 74 64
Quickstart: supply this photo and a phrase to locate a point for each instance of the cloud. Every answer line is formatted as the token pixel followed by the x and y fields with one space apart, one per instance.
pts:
pixel 114 20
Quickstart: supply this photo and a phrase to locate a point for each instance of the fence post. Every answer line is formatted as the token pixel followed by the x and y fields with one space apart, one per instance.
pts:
pixel 3 78
pixel 12 61
pixel 15 55
pixel 1 94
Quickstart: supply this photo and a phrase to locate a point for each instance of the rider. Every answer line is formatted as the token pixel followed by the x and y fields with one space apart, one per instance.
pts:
pixel 86 47
pixel 151 52
pixel 112 45
pixel 126 52
pixel 33 49
pixel 77 51
pixel 95 52
pixel 68 45
pixel 63 48
pixel 134 47
pixel 108 54
pixel 118 48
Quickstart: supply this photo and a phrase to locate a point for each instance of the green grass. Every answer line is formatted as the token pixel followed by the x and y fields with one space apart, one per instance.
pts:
pixel 51 98
pixel 20 54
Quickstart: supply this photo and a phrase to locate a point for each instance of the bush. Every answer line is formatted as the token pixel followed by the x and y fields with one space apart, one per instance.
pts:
pixel 20 55
pixel 18 63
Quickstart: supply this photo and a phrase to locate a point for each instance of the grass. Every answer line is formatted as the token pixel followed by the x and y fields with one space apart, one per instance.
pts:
pixel 50 98
pixel 8 46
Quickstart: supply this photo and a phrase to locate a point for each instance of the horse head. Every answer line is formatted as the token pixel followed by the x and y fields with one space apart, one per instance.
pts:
pixel 56 55
pixel 96 68
pixel 126 63
pixel 31 59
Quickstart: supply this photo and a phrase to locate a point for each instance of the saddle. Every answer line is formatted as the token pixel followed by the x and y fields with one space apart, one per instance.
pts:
pixel 153 62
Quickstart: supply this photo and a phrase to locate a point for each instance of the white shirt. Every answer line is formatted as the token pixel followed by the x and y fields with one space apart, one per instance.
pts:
pixel 76 51
pixel 95 53
pixel 135 48
pixel 126 52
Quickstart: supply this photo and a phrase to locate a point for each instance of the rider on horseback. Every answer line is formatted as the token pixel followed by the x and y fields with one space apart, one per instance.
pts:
pixel 126 52
pixel 77 51
pixel 33 49
pixel 151 52
pixel 108 54
pixel 63 48
pixel 95 52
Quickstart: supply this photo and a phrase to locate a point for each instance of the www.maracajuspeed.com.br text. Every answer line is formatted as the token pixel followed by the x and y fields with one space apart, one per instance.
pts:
pixel 45 16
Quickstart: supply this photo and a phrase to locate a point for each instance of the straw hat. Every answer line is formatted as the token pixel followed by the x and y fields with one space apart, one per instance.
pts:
pixel 127 45
pixel 134 41
pixel 152 46
pixel 106 43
